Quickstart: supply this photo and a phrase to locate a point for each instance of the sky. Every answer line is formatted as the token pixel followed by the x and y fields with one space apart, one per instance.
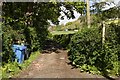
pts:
pixel 70 20
pixel 77 15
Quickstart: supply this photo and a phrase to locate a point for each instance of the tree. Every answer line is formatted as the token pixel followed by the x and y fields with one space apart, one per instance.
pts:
pixel 26 21
pixel 29 21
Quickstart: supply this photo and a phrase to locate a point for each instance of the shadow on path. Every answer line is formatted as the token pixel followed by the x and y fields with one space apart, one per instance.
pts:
pixel 54 63
pixel 51 46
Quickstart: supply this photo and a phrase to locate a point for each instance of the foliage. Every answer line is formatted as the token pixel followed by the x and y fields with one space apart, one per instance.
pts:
pixel 89 54
pixel 99 13
pixel 83 43
pixel 9 35
pixel 62 39
pixel 29 22
pixel 22 21
pixel 71 6
pixel 70 26
pixel 111 13
pixel 12 69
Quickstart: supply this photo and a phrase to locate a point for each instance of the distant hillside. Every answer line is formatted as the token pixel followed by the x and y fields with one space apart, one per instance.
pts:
pixel 110 15
pixel 72 25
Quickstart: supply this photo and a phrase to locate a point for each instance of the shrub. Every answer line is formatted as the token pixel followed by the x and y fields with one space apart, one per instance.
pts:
pixel 33 36
pixel 63 39
pixel 13 69
pixel 88 53
pixel 83 44
pixel 9 36
pixel 33 39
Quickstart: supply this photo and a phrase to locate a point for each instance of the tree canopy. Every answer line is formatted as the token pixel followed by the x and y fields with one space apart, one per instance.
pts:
pixel 29 21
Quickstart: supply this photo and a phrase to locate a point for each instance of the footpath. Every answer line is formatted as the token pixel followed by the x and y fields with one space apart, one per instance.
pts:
pixel 54 63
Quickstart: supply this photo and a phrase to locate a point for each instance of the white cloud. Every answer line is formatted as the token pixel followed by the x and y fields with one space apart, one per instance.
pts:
pixel 109 6
pixel 70 20
pixel 65 20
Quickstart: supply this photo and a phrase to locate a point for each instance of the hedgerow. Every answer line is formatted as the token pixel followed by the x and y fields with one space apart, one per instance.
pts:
pixel 63 39
pixel 89 54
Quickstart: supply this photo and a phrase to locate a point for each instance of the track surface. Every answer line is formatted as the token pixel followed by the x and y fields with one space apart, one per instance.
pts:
pixel 53 63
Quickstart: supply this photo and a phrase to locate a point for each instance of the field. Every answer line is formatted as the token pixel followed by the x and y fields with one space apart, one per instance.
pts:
pixel 62 32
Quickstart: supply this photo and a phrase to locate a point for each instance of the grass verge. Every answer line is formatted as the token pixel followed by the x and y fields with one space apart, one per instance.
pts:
pixel 13 69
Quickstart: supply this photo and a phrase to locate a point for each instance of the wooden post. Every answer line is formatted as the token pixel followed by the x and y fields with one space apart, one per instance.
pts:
pixel 103 33
pixel 88 13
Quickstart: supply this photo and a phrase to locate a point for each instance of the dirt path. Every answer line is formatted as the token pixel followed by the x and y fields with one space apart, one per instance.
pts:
pixel 53 63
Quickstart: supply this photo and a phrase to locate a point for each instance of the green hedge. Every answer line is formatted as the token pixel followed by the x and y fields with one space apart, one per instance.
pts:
pixel 34 37
pixel 23 21
pixel 89 54
pixel 62 39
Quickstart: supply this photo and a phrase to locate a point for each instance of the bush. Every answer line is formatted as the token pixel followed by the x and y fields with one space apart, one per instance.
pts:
pixel 33 37
pixel 36 39
pixel 19 24
pixel 13 69
pixel 83 45
pixel 9 36
pixel 88 53
pixel 63 39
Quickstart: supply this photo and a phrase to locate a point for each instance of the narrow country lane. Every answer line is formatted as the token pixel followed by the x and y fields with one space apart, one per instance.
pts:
pixel 53 63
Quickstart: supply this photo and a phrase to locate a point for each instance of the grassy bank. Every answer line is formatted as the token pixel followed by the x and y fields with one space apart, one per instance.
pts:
pixel 13 69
